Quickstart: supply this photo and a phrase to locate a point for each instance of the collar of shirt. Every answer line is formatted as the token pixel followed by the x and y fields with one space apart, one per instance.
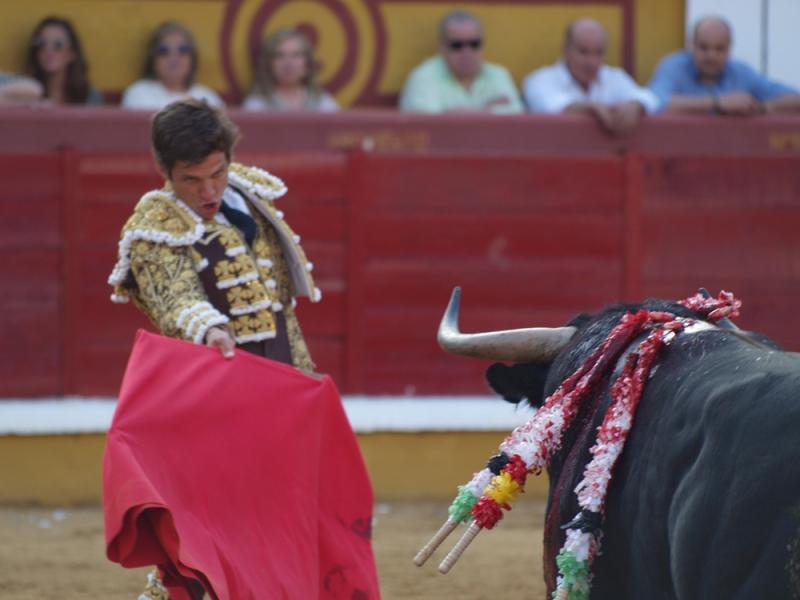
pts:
pixel 576 87
pixel 695 74
pixel 452 78
pixel 234 200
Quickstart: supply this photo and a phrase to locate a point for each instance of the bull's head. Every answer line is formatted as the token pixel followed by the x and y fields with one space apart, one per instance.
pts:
pixel 534 347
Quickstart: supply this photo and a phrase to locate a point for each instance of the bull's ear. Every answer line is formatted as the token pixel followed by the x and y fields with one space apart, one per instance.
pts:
pixel 518 382
pixel 580 320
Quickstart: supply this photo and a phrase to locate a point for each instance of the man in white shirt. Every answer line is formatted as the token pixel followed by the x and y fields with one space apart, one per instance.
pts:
pixel 582 82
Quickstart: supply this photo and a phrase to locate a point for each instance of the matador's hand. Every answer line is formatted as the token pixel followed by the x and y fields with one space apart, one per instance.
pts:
pixel 216 337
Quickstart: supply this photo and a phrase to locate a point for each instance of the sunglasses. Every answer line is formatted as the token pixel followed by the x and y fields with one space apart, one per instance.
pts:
pixel 458 45
pixel 166 50
pixel 57 45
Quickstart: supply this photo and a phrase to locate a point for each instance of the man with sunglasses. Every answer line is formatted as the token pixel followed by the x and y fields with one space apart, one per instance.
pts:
pixel 583 83
pixel 458 79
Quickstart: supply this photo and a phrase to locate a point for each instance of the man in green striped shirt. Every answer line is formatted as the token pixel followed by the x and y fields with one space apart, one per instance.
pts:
pixel 458 79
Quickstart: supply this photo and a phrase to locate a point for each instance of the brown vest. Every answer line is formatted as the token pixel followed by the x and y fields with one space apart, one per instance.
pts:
pixel 276 348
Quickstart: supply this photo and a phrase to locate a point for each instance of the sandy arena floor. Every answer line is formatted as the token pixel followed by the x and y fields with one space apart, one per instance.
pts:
pixel 59 554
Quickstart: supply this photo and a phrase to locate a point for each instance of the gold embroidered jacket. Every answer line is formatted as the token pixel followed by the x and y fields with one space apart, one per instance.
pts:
pixel 187 274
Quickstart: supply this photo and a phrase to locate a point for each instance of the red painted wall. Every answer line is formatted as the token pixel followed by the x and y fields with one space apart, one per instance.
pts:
pixel 532 237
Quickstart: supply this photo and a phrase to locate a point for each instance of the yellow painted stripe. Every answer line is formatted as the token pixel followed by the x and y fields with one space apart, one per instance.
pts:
pixel 65 470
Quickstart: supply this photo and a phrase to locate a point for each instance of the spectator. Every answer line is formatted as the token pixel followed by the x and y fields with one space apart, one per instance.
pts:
pixel 169 71
pixel 286 76
pixel 56 61
pixel 706 80
pixel 583 83
pixel 458 79
pixel 17 89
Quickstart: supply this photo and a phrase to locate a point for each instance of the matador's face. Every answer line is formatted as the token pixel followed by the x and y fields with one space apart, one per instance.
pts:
pixel 202 184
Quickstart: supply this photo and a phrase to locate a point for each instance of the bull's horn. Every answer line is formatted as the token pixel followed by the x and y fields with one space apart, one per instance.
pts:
pixel 536 344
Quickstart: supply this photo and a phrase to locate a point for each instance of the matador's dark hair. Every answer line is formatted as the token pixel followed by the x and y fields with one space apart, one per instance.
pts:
pixel 190 130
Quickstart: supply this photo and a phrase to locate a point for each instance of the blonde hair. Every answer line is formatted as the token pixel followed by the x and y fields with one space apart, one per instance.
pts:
pixel 265 83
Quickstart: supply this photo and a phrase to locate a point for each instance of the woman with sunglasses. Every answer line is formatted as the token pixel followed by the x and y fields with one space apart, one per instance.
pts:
pixel 56 61
pixel 169 71
pixel 286 76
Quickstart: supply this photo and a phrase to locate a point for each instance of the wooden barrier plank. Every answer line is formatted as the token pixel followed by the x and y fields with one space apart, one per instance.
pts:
pixel 498 236
pixel 726 223
pixel 632 253
pixel 328 257
pixel 31 364
pixel 409 284
pixel 325 318
pixel 30 303
pixel 760 243
pixel 29 201
pixel 722 184
pixel 484 185
pixel 31 322
pixel 507 229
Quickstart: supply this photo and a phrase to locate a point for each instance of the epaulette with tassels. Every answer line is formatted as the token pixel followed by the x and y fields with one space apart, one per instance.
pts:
pixel 257 182
pixel 158 217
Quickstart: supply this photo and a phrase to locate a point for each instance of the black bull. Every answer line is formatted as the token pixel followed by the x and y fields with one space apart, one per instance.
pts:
pixel 705 500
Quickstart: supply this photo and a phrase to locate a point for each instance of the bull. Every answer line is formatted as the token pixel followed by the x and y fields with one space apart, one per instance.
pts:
pixel 705 497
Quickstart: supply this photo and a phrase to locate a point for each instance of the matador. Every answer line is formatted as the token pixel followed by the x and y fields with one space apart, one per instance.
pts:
pixel 209 258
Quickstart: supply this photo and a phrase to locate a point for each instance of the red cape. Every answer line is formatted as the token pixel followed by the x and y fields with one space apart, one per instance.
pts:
pixel 243 474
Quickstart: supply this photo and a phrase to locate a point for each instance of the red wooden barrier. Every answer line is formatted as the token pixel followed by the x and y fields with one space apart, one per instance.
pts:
pixel 726 223
pixel 31 274
pixel 532 238
pixel 531 241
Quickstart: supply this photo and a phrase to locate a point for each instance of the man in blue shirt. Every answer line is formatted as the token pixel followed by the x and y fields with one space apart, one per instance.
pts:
pixel 707 80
